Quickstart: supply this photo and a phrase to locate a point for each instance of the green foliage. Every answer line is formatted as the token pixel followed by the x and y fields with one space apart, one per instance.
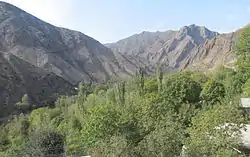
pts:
pixel 246 88
pixel 242 46
pixel 233 85
pixel 199 77
pixel 242 49
pixel 140 80
pixel 165 140
pixel 83 91
pixel 159 75
pixel 100 122
pixel 44 143
pixel 113 146
pixel 181 88
pixel 222 73
pixel 206 135
pixel 99 87
pixel 212 92
pixel 121 92
pixel 65 101
pixel 151 85
pixel 4 140
pixel 110 97
pixel 90 101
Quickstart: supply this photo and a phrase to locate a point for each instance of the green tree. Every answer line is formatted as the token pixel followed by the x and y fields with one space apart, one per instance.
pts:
pixel 90 101
pixel 159 75
pixel 140 80
pixel 246 89
pixel 4 139
pixel 44 144
pixel 199 77
pixel 151 85
pixel 166 140
pixel 83 90
pixel 99 87
pixel 242 50
pixel 114 146
pixel 215 130
pixel 110 96
pixel 221 73
pixel 121 92
pixel 212 92
pixel 181 88
pixel 100 122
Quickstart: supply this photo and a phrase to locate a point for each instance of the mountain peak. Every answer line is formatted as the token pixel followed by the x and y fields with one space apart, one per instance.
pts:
pixel 193 26
pixel 198 33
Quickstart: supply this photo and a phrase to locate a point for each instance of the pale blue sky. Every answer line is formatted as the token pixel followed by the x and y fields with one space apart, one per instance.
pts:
pixel 111 20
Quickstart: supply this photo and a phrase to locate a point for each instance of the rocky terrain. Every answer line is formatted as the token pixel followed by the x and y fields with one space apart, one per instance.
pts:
pixel 218 50
pixel 44 61
pixel 18 77
pixel 192 47
pixel 69 54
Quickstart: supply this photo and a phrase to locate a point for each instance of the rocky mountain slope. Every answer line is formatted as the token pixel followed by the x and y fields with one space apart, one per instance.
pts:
pixel 69 54
pixel 18 77
pixel 192 47
pixel 172 49
pixel 217 51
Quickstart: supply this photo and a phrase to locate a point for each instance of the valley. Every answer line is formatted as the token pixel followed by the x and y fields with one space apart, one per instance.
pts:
pixel 163 93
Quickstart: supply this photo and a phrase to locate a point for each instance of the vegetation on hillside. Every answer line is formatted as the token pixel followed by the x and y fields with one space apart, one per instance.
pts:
pixel 158 116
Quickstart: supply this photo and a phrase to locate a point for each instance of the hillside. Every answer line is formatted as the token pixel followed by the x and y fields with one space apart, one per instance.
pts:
pixel 218 50
pixel 190 48
pixel 18 77
pixel 172 49
pixel 69 54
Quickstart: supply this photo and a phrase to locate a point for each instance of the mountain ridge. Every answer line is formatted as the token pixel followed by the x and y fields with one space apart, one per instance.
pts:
pixel 167 48
pixel 89 60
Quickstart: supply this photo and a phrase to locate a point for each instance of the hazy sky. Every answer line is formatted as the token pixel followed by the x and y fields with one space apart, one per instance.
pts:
pixel 111 20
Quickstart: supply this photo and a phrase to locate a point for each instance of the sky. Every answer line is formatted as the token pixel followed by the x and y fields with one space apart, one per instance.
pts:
pixel 111 20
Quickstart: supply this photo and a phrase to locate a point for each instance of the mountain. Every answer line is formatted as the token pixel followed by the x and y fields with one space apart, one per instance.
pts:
pixel 218 50
pixel 172 49
pixel 69 54
pixel 190 48
pixel 45 61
